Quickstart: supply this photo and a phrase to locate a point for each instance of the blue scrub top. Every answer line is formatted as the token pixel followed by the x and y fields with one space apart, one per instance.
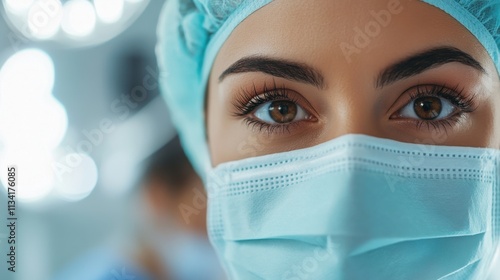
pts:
pixel 102 264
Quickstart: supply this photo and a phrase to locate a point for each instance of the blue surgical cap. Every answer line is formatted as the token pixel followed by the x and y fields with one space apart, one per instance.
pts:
pixel 191 32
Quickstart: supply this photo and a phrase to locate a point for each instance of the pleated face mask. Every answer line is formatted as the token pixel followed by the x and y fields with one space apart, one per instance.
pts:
pixel 354 207
pixel 357 207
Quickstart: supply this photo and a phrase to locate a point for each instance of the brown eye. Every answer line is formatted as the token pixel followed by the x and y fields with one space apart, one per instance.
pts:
pixel 427 108
pixel 280 112
pixel 283 111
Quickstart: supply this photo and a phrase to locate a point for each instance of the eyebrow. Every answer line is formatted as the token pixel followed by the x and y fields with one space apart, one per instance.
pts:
pixel 282 68
pixel 423 61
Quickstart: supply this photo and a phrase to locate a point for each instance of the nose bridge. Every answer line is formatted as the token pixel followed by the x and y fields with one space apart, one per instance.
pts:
pixel 353 109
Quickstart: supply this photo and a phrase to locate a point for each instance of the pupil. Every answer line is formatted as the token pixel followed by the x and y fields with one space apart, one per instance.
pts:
pixel 283 108
pixel 283 111
pixel 427 108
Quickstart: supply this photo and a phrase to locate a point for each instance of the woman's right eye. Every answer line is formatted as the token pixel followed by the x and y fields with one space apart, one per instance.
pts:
pixel 273 109
pixel 280 112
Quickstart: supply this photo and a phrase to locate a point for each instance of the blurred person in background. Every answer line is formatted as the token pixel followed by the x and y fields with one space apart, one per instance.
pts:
pixel 171 241
pixel 176 244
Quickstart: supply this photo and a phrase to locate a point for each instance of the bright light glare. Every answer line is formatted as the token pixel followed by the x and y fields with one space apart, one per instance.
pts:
pixel 39 122
pixel 77 180
pixel 79 18
pixel 35 178
pixel 27 73
pixel 109 11
pixel 44 18
pixel 29 114
pixel 17 6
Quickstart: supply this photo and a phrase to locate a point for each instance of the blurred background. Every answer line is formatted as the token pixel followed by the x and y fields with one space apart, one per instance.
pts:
pixel 79 111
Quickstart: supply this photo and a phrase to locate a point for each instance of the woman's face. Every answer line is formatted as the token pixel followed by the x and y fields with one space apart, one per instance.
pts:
pixel 294 75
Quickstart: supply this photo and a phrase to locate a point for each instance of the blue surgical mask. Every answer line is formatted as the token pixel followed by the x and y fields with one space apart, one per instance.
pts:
pixel 357 207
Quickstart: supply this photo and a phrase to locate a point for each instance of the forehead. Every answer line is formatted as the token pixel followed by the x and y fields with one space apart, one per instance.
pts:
pixel 346 37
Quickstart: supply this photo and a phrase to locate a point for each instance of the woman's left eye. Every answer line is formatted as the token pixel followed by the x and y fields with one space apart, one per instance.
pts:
pixel 428 108
pixel 280 112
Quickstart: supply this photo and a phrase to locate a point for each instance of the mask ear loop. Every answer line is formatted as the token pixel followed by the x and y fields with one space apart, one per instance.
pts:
pixel 494 271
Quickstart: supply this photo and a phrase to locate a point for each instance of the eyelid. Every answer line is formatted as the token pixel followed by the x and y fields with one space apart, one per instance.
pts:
pixel 242 103
pixel 456 95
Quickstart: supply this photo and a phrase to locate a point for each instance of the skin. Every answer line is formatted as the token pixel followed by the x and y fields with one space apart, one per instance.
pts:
pixel 350 102
pixel 162 202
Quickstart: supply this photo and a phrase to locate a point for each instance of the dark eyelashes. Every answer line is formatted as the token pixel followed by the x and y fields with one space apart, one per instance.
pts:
pixel 439 124
pixel 270 129
pixel 454 95
pixel 247 101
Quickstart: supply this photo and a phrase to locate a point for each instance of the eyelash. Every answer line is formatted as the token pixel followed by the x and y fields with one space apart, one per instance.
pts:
pixel 247 101
pixel 454 95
